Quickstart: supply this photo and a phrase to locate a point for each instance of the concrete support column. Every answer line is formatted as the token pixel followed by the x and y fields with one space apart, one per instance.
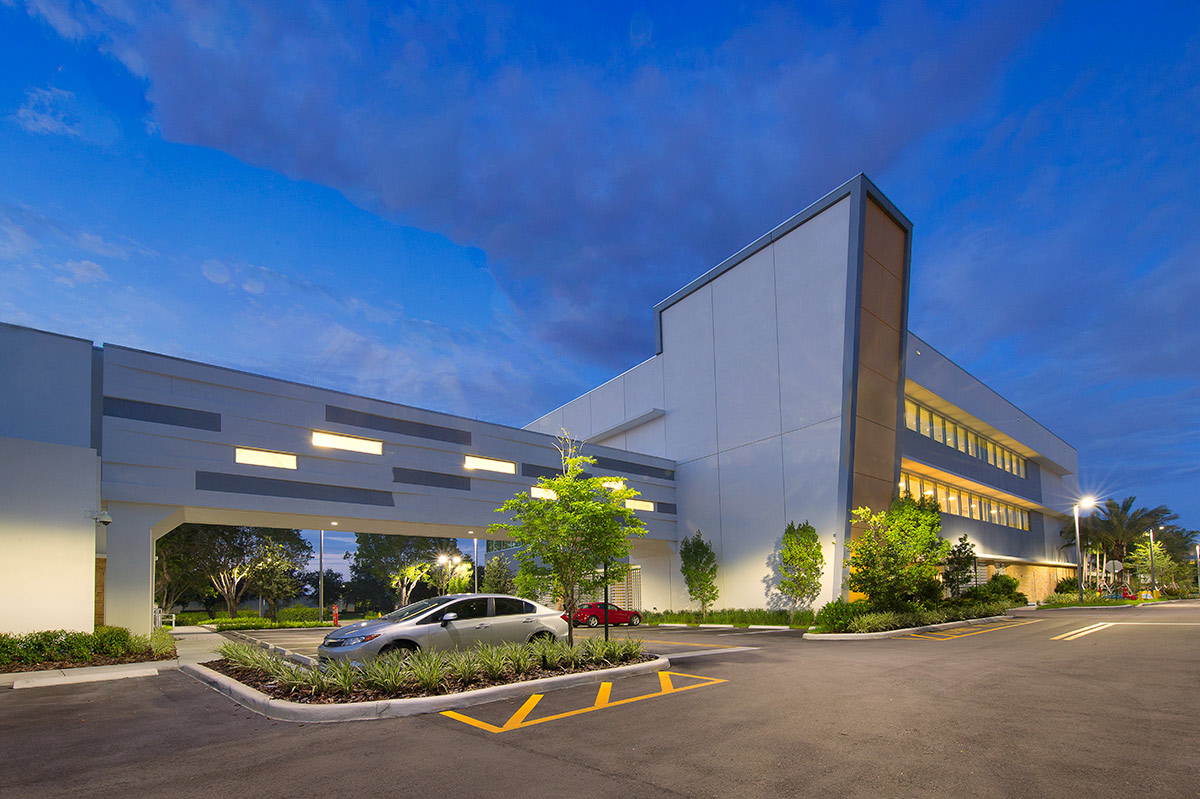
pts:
pixel 129 576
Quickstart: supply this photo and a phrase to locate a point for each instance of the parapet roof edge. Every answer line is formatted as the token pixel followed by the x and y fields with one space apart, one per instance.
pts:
pixel 87 341
pixel 922 342
pixel 339 392
pixel 860 183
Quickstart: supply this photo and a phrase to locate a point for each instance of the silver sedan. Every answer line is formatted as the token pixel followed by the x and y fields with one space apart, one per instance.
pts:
pixel 457 621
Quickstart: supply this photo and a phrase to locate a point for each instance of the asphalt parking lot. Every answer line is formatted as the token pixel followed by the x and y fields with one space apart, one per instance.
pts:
pixel 1089 702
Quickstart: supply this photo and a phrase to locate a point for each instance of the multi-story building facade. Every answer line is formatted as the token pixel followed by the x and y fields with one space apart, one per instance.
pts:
pixel 785 387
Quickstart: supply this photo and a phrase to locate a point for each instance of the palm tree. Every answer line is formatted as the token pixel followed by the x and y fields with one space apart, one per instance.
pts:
pixel 1116 527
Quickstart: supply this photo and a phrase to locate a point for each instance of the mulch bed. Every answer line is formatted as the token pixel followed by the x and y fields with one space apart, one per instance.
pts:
pixel 264 683
pixel 99 660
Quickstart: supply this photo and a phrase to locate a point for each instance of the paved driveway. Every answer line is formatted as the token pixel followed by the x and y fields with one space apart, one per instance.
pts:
pixel 1075 703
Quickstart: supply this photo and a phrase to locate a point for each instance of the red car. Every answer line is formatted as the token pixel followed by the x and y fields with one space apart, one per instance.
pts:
pixel 592 614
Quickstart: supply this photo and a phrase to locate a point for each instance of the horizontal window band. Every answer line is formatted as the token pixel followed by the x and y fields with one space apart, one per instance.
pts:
pixel 403 427
pixel 291 489
pixel 629 467
pixel 535 471
pixel 417 477
pixel 667 507
pixel 162 414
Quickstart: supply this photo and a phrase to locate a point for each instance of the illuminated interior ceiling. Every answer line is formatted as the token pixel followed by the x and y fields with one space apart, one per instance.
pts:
pixel 949 478
pixel 932 401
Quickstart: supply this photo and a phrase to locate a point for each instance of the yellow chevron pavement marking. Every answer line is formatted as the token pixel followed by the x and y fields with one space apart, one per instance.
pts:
pixel 520 719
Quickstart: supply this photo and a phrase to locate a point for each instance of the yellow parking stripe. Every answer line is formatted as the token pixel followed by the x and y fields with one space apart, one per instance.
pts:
pixel 519 720
pixel 950 635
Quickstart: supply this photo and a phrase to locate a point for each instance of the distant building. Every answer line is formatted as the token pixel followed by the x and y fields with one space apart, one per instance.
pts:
pixel 786 386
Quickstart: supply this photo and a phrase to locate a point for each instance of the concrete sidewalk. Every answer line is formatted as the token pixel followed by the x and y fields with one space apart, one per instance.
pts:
pixel 192 645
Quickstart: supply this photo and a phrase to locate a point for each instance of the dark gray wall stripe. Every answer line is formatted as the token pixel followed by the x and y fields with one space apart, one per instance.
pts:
pixel 292 489
pixel 535 471
pixel 628 467
pixel 162 414
pixel 97 404
pixel 667 507
pixel 418 477
pixel 389 425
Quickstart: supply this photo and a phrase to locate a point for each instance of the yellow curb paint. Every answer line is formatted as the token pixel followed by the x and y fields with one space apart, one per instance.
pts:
pixel 519 720
pixel 603 694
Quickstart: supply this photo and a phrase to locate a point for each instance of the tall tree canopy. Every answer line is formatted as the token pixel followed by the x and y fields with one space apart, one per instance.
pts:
pixel 576 528
pixel 895 560
pixel 396 561
pixel 229 556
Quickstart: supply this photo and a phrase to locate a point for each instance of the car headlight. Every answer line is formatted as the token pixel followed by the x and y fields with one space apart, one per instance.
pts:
pixel 358 639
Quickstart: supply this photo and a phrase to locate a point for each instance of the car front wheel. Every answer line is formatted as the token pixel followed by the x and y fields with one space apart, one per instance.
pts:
pixel 593 621
pixel 635 620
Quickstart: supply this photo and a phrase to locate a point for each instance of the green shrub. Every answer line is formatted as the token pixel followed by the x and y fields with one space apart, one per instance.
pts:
pixel 10 649
pixel 739 617
pixel 162 644
pixel 517 657
pixel 1067 585
pixel 264 624
pixel 876 622
pixel 836 616
pixel 113 641
pixel 193 617
pixel 1001 587
pixel 298 613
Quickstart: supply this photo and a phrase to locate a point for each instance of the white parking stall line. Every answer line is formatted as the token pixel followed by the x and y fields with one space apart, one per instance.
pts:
pixel 729 650
pixel 1082 631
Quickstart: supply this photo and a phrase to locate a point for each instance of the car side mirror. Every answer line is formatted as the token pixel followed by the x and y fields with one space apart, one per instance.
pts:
pixel 448 617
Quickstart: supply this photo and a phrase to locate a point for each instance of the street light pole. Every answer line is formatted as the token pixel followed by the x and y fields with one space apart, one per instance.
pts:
pixel 475 562
pixel 1086 502
pixel 1153 587
pixel 321 578
pixel 1198 567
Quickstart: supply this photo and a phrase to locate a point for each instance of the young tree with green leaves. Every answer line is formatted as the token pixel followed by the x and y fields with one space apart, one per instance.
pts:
pixel 959 567
pixel 407 577
pixel 698 564
pixel 896 558
pixel 175 574
pixel 276 573
pixel 801 563
pixel 1165 568
pixel 497 576
pixel 571 531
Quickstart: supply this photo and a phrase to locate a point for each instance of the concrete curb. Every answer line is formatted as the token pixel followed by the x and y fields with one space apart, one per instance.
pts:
pixel 769 627
pixel 282 710
pixel 904 631
pixel 303 660
pixel 85 674
pixel 715 626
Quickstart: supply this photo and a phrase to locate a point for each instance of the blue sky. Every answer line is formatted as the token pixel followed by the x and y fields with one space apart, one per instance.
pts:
pixel 474 207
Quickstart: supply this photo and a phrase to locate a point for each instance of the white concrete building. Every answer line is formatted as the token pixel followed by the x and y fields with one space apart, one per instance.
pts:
pixel 785 387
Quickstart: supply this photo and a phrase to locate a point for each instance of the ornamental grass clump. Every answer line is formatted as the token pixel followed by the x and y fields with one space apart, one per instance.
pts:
pixel 494 661
pixel 387 673
pixel 518 658
pixel 428 670
pixel 463 665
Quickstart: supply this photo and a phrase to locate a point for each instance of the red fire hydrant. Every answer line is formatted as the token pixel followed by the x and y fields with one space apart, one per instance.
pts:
pixel 335 619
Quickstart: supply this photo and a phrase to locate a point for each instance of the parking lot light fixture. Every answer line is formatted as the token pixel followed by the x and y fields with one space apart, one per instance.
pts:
pixel 1086 502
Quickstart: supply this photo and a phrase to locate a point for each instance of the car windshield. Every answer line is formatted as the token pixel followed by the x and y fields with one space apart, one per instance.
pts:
pixel 417 608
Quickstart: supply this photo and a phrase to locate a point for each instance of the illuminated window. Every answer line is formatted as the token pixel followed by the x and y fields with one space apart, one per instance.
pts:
pixel 537 492
pixel 489 464
pixel 614 485
pixel 910 414
pixel 263 457
pixel 349 443
pixel 639 504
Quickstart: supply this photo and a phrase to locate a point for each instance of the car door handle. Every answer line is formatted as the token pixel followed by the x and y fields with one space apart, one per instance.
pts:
pixel 482 626
pixel 529 621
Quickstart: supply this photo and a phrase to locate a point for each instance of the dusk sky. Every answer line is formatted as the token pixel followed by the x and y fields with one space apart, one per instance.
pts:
pixel 473 207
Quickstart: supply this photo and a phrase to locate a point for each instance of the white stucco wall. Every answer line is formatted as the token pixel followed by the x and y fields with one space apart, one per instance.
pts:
pixel 49 493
